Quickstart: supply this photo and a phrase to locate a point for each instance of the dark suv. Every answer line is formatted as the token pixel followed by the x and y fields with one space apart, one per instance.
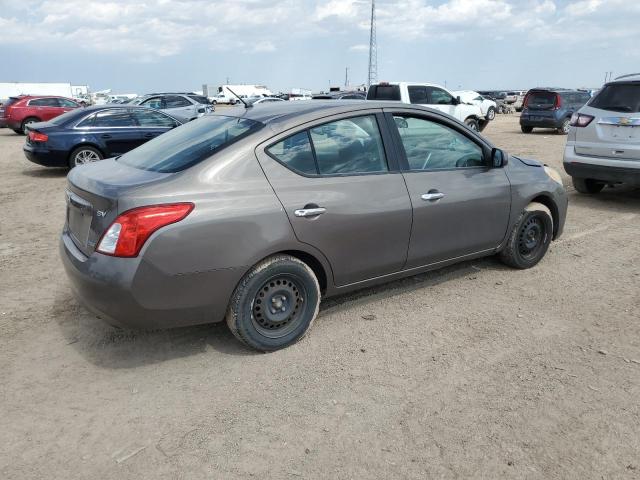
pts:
pixel 551 108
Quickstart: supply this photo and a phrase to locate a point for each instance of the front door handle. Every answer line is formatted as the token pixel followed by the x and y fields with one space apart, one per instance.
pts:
pixel 149 135
pixel 309 212
pixel 432 196
pixel 106 135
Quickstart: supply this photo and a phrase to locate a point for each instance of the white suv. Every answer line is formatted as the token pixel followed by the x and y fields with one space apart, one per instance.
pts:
pixel 603 146
pixel 487 106
pixel 430 95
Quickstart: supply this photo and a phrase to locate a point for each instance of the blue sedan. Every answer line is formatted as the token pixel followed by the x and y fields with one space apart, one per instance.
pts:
pixel 93 133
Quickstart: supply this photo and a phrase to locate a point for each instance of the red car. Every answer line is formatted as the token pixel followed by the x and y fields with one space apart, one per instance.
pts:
pixel 17 112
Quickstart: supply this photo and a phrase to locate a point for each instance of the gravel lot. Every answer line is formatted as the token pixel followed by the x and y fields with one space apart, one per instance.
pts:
pixel 474 371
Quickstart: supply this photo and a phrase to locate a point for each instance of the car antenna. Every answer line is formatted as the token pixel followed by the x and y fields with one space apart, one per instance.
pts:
pixel 246 105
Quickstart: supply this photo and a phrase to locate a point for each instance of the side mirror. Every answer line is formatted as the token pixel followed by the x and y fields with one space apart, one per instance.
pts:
pixel 499 158
pixel 457 100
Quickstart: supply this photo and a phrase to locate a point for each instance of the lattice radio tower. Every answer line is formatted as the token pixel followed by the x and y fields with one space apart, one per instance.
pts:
pixel 373 48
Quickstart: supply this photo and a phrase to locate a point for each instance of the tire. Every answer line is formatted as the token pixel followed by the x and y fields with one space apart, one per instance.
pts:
pixel 472 123
pixel 17 130
pixel 530 238
pixel 25 122
pixel 253 316
pixel 586 185
pixel 526 129
pixel 84 154
pixel 564 128
pixel 491 114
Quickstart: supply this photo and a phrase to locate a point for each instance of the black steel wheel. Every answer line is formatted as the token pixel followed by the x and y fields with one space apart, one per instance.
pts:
pixel 530 237
pixel 275 303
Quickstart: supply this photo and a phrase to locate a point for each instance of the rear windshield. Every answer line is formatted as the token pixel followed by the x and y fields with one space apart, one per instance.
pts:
pixel 384 92
pixel 199 99
pixel 9 101
pixel 541 99
pixel 621 97
pixel 189 144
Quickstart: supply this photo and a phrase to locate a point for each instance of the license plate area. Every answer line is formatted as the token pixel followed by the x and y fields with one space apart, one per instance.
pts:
pixel 79 216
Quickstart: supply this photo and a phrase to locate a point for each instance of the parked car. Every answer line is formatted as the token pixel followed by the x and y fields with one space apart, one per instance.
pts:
pixel 487 106
pixel 430 95
pixel 18 112
pixel 186 106
pixel 254 215
pixel 260 100
pixel 551 108
pixel 340 96
pixel 93 133
pixel 603 146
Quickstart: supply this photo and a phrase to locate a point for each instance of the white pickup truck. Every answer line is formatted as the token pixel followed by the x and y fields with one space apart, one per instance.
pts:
pixel 430 95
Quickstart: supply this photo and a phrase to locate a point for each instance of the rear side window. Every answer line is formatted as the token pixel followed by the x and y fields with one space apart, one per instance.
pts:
pixel 349 146
pixel 295 152
pixel 618 97
pixel 43 102
pixel 113 118
pixel 418 94
pixel 176 102
pixel 189 144
pixel 384 92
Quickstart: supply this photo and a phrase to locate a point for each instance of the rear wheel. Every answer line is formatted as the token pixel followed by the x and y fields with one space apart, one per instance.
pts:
pixel 530 238
pixel 564 128
pixel 275 304
pixel 586 185
pixel 526 129
pixel 472 123
pixel 84 154
pixel 27 121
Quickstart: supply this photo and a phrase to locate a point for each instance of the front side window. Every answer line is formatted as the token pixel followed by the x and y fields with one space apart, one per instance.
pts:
pixel 199 99
pixel 150 118
pixel 113 118
pixel 176 102
pixel 431 146
pixel 190 144
pixel 349 146
pixel 67 103
pixel 440 97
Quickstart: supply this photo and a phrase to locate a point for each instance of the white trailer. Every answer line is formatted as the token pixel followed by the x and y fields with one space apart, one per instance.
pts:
pixel 13 89
pixel 224 94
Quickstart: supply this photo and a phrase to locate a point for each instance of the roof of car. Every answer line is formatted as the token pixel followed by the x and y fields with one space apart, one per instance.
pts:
pixel 631 77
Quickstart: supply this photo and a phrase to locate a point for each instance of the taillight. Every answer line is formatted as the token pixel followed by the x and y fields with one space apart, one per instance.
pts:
pixel 525 102
pixel 557 103
pixel 580 120
pixel 38 137
pixel 128 233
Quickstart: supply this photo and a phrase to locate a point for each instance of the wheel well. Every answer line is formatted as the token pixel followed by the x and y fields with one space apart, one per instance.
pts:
pixel 550 204
pixel 313 263
pixel 85 144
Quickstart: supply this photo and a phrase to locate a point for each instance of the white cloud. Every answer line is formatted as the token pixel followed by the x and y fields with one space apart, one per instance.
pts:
pixel 359 48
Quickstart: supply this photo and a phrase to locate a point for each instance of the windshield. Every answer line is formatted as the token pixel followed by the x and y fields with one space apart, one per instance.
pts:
pixel 620 97
pixel 189 144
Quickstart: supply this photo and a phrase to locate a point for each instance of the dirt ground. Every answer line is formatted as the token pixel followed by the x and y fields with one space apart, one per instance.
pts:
pixel 474 371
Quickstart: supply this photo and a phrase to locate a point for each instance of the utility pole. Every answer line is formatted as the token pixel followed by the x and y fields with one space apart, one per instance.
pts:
pixel 373 48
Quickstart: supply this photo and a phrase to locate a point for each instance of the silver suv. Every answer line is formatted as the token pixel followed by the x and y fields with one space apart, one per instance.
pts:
pixel 183 106
pixel 603 146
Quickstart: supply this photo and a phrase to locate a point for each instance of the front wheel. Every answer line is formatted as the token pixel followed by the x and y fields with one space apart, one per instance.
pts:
pixel 564 128
pixel 586 185
pixel 530 238
pixel 491 114
pixel 526 129
pixel 472 123
pixel 275 303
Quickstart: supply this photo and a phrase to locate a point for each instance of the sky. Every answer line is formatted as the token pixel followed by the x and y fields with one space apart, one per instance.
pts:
pixel 139 46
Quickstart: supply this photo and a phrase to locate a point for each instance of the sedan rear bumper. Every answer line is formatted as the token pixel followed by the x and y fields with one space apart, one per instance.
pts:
pixel 131 293
pixel 45 157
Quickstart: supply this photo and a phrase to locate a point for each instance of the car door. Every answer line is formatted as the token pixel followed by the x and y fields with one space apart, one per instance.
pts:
pixel 152 123
pixel 340 186
pixel 117 131
pixel 180 106
pixel 442 100
pixel 460 205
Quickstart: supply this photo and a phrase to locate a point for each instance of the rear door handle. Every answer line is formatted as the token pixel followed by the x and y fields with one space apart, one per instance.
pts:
pixel 431 196
pixel 309 212
pixel 149 135
pixel 106 136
